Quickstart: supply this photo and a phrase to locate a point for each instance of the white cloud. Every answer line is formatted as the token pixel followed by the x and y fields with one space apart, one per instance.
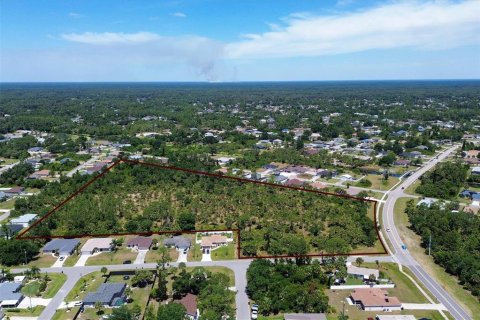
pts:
pixel 179 15
pixel 107 38
pixel 148 49
pixel 431 25
pixel 75 15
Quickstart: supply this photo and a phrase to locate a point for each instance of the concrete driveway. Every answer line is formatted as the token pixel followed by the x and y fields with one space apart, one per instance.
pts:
pixel 182 257
pixel 140 259
pixel 82 260
pixel 206 257
pixel 59 263
pixel 25 303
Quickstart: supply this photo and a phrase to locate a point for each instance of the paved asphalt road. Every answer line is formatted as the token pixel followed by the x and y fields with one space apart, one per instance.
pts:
pixel 403 256
pixel 5 168
pixel 73 274
pixel 81 166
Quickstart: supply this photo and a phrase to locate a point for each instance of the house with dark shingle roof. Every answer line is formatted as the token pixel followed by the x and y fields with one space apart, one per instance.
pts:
pixel 64 247
pixel 140 243
pixel 178 242
pixel 9 230
pixel 108 294
pixel 190 304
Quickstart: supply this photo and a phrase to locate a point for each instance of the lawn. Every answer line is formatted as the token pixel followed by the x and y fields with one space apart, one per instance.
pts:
pixel 225 270
pixel 64 314
pixel 411 189
pixel 337 297
pixel 116 257
pixel 9 204
pixel 7 161
pixel 350 281
pixel 447 281
pixel 31 289
pixel 41 261
pixel 138 295
pixel 34 312
pixel 224 253
pixel 405 290
pixel 90 282
pixel 379 183
pixel 195 253
pixel 71 260
pixel 154 255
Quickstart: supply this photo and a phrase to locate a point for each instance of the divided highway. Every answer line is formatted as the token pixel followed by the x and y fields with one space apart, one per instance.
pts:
pixel 403 256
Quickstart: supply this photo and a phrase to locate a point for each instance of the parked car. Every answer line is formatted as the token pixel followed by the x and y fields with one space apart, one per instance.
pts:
pixel 127 262
pixel 254 314
pixel 388 229
pixel 78 303
pixel 126 277
pixel 61 258
pixel 404 247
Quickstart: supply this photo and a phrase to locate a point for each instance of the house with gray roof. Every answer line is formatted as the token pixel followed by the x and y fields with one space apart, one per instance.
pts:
pixel 108 294
pixel 10 295
pixel 64 247
pixel 24 220
pixel 178 242
pixel 7 231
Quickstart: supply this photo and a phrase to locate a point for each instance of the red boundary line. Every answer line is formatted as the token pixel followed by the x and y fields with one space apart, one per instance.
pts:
pixel 215 175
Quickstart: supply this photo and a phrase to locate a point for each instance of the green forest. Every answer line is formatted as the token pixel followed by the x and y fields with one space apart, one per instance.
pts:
pixel 444 181
pixel 455 241
pixel 139 198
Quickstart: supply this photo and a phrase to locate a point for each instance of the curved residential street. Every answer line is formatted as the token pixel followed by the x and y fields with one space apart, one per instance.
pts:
pixel 403 256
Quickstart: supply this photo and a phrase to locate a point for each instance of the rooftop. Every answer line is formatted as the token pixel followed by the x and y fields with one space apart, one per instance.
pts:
pixel 373 297
pixel 190 303
pixel 105 293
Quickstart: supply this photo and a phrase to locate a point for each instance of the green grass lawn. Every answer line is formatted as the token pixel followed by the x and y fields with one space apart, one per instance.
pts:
pixel 71 260
pixel 405 290
pixel 411 189
pixel 64 314
pixel 195 253
pixel 447 281
pixel 227 271
pixel 379 183
pixel 116 257
pixel 7 161
pixel 154 255
pixel 353 281
pixel 58 279
pixel 41 261
pixel 224 253
pixel 34 312
pixel 9 204
pixel 92 282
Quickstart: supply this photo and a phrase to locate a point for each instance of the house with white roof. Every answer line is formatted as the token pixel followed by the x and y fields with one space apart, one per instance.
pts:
pixel 24 220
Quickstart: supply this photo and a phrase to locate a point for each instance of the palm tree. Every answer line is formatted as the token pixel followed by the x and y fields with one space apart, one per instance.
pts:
pixel 359 261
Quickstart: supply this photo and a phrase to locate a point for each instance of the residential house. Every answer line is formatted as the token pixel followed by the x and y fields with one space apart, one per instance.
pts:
pixel 212 241
pixel 427 202
pixel 140 243
pixel 97 245
pixel 15 191
pixel 294 183
pixel 108 294
pixel 7 231
pixel 190 304
pixel 64 247
pixel 10 294
pixel 39 174
pixel 362 273
pixel 34 150
pixel 24 220
pixel 3 196
pixel 402 162
pixel 304 316
pixel 476 171
pixel 178 242
pixel 411 155
pixel 472 154
pixel 374 299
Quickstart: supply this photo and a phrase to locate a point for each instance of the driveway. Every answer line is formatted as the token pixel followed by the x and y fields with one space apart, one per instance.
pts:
pixel 25 303
pixel 82 260
pixel 206 257
pixel 140 259
pixel 182 257
pixel 59 263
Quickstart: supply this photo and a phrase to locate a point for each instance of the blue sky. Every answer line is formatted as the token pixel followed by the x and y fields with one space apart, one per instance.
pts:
pixel 198 40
